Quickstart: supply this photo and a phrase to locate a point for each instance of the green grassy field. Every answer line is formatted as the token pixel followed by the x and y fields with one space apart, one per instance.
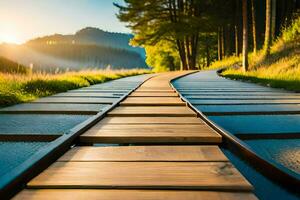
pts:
pixel 19 88
pixel 280 70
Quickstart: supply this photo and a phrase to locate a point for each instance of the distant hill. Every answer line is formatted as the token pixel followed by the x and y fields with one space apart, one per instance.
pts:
pixel 9 66
pixel 92 36
pixel 88 48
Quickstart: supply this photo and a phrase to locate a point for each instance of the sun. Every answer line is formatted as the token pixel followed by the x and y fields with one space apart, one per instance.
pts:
pixel 9 38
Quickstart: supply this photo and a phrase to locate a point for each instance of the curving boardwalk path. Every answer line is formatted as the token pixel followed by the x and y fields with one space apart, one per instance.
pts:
pixel 264 120
pixel 151 146
pixel 30 131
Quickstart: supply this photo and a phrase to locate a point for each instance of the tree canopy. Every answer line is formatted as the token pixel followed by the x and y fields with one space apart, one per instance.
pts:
pixel 200 31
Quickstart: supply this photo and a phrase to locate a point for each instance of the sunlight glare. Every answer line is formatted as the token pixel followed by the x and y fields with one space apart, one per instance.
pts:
pixel 9 38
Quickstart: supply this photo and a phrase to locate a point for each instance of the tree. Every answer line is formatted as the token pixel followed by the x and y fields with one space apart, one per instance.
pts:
pixel 253 10
pixel 245 35
pixel 273 24
pixel 267 42
pixel 162 56
pixel 177 21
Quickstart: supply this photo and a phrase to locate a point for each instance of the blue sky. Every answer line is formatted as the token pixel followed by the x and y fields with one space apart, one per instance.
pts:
pixel 21 20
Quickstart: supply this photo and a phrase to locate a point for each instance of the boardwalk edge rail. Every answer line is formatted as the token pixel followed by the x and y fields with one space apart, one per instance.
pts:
pixel 270 170
pixel 16 180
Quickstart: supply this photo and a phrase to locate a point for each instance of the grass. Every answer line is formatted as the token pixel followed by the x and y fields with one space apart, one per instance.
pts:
pixel 19 88
pixel 8 66
pixel 279 70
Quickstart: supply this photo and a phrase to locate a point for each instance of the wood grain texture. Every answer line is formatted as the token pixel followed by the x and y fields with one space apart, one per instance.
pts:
pixel 142 175
pixel 144 111
pixel 102 194
pixel 145 153
pixel 146 91
pixel 153 94
pixel 151 120
pixel 153 101
pixel 198 128
pixel 150 134
pixel 193 172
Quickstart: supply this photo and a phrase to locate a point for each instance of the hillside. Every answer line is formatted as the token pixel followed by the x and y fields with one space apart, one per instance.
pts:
pixel 92 36
pixel 8 66
pixel 88 48
pixel 281 69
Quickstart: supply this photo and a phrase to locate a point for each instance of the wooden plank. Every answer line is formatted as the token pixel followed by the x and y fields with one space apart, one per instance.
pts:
pixel 142 175
pixel 252 97
pixel 154 90
pixel 95 94
pixel 151 127
pixel 48 108
pixel 153 101
pixel 25 137
pixel 151 120
pixel 151 134
pixel 113 194
pixel 79 100
pixel 243 102
pixel 145 153
pixel 146 111
pixel 153 94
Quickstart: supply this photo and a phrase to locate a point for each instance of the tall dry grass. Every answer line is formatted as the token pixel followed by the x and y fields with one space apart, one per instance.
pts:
pixel 281 69
pixel 17 88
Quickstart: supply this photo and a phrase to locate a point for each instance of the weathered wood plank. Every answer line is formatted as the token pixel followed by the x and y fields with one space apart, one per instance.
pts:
pixel 152 127
pixel 154 90
pixel 56 108
pixel 79 100
pixel 95 94
pixel 142 175
pixel 151 120
pixel 153 94
pixel 151 134
pixel 145 153
pixel 153 101
pixel 113 194
pixel 146 111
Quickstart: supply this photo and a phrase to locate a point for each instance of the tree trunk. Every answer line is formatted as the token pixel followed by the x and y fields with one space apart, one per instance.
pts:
pixel 219 45
pixel 245 36
pixel 194 51
pixel 273 24
pixel 181 52
pixel 268 28
pixel 207 52
pixel 236 39
pixel 188 52
pixel 253 10
pixel 222 43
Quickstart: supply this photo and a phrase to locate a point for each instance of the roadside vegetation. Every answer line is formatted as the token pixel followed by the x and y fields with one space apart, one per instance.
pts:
pixel 280 69
pixel 18 88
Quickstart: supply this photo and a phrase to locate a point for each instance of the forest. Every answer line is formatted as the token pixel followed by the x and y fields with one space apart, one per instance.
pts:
pixel 192 34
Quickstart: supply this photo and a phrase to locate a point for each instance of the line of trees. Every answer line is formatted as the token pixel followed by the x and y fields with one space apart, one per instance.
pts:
pixel 190 34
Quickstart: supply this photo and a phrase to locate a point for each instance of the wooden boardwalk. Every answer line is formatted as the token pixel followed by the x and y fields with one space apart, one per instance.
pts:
pixel 163 152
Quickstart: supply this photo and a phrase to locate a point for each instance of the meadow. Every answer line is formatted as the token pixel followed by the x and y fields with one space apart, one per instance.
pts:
pixel 18 88
pixel 281 69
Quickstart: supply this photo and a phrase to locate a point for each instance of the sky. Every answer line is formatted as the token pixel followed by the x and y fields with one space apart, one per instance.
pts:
pixel 21 20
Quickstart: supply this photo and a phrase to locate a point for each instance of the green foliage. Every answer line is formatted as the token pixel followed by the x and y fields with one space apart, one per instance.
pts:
pixel 9 66
pixel 292 33
pixel 162 57
pixel 227 62
pixel 173 21
pixel 17 88
pixel 281 69
pixel 290 37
